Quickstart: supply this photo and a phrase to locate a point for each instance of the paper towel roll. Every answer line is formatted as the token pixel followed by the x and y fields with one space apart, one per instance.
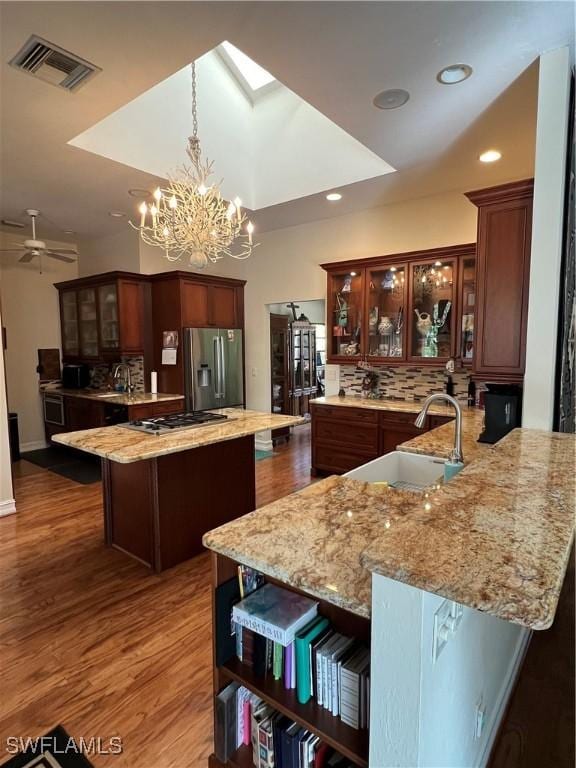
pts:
pixel 153 382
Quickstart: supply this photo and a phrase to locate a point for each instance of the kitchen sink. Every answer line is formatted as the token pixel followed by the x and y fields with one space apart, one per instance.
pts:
pixel 399 469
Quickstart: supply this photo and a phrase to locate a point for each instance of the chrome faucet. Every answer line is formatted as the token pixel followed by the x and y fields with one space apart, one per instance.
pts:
pixel 128 376
pixel 456 453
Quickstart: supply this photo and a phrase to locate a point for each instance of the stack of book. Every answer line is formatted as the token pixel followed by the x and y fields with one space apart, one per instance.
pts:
pixel 279 634
pixel 276 741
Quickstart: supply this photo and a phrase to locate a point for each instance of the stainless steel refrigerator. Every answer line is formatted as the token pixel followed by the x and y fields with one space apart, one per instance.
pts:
pixel 213 368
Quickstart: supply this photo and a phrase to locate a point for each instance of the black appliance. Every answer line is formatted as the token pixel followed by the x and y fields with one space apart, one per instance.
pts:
pixel 174 422
pixel 75 376
pixel 503 411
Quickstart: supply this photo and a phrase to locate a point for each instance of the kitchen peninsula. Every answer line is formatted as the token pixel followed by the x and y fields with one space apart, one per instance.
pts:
pixel 448 583
pixel 163 491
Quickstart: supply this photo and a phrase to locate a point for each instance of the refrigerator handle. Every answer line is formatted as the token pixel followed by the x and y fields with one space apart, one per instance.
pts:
pixel 218 373
pixel 189 371
pixel 222 369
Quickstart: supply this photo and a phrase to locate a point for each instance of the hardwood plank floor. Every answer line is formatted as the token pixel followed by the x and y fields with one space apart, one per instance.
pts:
pixel 92 640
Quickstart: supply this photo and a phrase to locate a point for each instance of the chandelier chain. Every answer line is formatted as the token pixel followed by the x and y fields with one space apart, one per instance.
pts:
pixel 194 102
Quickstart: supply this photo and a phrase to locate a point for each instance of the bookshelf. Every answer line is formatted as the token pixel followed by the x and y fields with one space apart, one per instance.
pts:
pixel 351 743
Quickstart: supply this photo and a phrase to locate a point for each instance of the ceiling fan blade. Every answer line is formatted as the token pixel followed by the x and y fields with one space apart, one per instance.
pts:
pixel 60 256
pixel 11 250
pixel 73 251
pixel 27 257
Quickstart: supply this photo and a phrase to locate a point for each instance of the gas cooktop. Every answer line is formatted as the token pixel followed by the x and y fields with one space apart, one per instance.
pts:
pixel 174 422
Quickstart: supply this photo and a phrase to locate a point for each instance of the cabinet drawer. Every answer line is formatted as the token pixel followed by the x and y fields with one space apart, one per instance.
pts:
pixel 357 435
pixel 344 413
pixel 168 406
pixel 397 417
pixel 338 460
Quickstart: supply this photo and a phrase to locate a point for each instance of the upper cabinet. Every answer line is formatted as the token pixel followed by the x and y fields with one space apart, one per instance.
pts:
pixel 405 308
pixel 504 240
pixel 103 316
pixel 210 302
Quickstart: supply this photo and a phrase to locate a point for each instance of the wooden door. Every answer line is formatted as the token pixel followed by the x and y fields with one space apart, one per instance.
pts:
pixel 222 307
pixel 195 304
pixel 131 315
pixel 504 239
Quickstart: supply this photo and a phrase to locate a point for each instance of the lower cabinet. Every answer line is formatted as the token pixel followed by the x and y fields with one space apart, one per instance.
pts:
pixel 344 438
pixel 81 413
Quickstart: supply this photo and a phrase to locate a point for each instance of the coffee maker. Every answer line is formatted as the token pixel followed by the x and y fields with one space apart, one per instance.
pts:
pixel 503 411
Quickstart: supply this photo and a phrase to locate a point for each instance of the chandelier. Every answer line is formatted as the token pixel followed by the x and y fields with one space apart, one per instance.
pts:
pixel 190 218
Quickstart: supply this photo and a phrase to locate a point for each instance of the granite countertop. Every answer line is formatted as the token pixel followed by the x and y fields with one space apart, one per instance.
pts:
pixel 495 538
pixel 127 445
pixel 383 404
pixel 118 398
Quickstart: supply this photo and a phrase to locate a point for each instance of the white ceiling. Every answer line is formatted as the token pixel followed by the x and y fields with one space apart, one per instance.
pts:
pixel 268 150
pixel 336 56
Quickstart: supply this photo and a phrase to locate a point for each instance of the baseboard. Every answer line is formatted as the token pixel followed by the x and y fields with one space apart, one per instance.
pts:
pixel 7 507
pixel 35 445
pixel 263 445
pixel 502 705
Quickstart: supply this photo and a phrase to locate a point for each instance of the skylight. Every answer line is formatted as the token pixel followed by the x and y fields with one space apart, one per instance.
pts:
pixel 255 75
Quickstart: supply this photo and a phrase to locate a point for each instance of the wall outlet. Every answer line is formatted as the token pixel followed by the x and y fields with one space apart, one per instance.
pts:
pixel 254 372
pixel 446 622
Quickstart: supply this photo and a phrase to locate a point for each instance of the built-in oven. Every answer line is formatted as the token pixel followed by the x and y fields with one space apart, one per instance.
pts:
pixel 54 409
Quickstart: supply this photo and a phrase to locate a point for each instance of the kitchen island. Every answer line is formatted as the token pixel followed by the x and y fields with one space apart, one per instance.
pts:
pixel 450 583
pixel 162 492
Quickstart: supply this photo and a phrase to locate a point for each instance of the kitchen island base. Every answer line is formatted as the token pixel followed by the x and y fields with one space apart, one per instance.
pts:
pixel 157 510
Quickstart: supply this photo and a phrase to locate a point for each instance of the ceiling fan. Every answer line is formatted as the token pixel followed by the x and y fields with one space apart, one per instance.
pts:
pixel 33 247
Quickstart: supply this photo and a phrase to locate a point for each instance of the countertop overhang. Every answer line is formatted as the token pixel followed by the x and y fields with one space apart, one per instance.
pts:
pixel 496 538
pixel 127 445
pixel 119 398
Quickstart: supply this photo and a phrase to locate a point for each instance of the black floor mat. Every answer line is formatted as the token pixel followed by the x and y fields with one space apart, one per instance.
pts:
pixel 67 463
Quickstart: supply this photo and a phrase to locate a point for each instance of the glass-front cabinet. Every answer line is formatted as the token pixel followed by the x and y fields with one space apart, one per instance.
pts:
pixel 345 313
pixel 88 322
pixel 432 292
pixel 467 303
pixel 386 289
pixel 69 315
pixel 303 351
pixel 108 316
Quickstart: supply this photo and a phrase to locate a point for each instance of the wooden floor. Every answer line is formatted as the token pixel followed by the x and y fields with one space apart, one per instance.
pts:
pixel 94 641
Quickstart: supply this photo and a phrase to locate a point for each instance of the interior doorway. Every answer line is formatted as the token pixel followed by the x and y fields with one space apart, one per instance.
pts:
pixel 297 357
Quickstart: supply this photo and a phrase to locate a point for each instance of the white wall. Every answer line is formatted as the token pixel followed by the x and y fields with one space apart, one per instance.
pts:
pixel 315 311
pixel 423 713
pixel 118 251
pixel 31 317
pixel 547 238
pixel 7 504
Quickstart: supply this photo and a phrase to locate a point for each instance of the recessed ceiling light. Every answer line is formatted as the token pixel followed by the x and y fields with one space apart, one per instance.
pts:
pixel 391 99
pixel 333 196
pixel 490 156
pixel 139 192
pixel 455 73
pixel 117 214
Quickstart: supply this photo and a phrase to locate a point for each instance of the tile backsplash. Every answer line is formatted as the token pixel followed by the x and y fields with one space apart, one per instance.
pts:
pixel 100 373
pixel 405 382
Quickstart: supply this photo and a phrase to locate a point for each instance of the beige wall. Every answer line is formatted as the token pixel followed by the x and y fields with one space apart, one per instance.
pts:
pixel 7 506
pixel 31 317
pixel 118 251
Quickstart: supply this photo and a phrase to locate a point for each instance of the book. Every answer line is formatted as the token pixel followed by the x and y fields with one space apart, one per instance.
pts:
pixel 275 613
pixel 340 652
pixel 226 595
pixel 320 640
pixel 260 712
pixel 277 661
pixel 350 687
pixel 303 640
pixel 225 722
pixel 318 663
pixel 287 667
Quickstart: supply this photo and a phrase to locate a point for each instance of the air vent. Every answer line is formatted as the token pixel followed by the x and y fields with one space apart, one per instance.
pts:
pixel 47 61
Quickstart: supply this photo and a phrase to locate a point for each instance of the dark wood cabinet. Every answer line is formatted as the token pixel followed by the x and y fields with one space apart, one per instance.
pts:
pixel 104 317
pixel 396 428
pixel 148 410
pixel 81 413
pixel 503 264
pixel 384 309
